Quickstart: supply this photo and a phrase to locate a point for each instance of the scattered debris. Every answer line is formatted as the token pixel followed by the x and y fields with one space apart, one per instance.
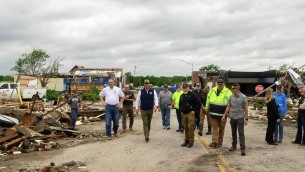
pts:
pixel 69 166
pixel 37 126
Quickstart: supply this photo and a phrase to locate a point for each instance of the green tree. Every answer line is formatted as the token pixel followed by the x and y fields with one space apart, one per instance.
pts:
pixel 129 77
pixel 284 67
pixel 6 78
pixel 35 64
pixel 159 81
pixel 211 67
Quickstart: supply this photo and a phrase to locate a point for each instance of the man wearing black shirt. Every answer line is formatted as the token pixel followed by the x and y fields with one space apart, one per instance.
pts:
pixel 189 104
pixel 128 108
pixel 198 91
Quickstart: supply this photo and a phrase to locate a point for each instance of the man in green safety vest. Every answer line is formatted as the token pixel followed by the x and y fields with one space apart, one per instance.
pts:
pixel 217 101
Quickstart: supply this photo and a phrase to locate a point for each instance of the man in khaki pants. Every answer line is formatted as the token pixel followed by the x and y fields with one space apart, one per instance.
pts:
pixel 216 105
pixel 188 104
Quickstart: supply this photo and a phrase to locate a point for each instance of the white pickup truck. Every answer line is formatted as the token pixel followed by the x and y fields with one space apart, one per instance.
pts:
pixel 8 91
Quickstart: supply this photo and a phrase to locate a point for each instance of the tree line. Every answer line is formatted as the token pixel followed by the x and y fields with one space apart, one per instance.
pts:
pixel 6 78
pixel 156 80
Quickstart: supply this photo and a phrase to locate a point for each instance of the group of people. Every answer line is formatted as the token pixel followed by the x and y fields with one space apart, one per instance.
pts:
pixel 217 104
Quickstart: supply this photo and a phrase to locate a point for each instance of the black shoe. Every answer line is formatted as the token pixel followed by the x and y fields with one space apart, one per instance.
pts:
pixel 219 145
pixel 233 148
pixel 243 152
pixel 185 144
pixel 213 145
pixel 146 139
pixel 178 130
pixel 182 130
pixel 293 142
pixel 208 133
pixel 189 145
pixel 200 133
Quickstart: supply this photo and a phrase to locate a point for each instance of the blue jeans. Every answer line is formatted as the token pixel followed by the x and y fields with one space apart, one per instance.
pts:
pixel 165 112
pixel 112 114
pixel 278 132
pixel 301 124
pixel 74 112
pixel 179 118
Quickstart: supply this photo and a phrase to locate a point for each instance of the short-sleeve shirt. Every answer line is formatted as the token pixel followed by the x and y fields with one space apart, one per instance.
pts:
pixel 131 96
pixel 165 98
pixel 237 103
pixel 176 98
pixel 112 96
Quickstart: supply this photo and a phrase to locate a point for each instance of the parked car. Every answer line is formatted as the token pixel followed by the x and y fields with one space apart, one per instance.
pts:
pixel 8 90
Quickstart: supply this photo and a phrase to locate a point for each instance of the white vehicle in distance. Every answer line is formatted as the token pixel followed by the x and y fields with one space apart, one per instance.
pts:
pixel 8 91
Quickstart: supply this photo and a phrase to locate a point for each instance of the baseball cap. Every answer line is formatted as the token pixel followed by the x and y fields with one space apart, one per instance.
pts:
pixel 220 81
pixel 278 86
pixel 146 81
pixel 185 85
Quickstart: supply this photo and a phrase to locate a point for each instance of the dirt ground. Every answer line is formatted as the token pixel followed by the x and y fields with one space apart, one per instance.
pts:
pixel 130 152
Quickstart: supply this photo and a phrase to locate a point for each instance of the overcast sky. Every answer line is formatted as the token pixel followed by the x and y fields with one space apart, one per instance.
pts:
pixel 237 35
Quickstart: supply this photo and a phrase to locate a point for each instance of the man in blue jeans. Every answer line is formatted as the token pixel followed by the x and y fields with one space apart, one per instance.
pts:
pixel 74 103
pixel 112 95
pixel 280 99
pixel 165 104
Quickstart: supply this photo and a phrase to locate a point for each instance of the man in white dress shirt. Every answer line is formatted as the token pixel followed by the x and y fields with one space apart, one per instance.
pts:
pixel 112 102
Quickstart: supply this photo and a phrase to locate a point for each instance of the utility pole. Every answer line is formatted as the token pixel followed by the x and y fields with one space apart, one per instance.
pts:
pixel 189 64
pixel 134 72
pixel 134 77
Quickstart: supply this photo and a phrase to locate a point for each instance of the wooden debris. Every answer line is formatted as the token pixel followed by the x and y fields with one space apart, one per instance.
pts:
pixel 10 131
pixel 9 137
pixel 16 141
pixel 28 120
pixel 28 132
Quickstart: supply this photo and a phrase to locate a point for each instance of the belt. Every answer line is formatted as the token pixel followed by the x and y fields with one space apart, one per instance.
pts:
pixel 110 104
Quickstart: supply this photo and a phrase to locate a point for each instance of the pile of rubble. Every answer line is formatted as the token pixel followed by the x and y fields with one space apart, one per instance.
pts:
pixel 69 166
pixel 291 115
pixel 25 130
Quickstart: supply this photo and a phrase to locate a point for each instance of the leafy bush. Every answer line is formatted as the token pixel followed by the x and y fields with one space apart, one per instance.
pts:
pixel 258 106
pixel 92 95
pixel 52 94
pixel 290 106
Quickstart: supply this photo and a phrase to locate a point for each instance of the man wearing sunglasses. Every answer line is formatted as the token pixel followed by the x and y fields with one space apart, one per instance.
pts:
pixel 189 103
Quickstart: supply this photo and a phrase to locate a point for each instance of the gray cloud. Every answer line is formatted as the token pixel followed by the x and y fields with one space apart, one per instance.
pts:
pixel 152 35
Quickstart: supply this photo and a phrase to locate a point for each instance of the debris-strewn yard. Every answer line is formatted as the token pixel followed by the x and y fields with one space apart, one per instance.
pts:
pixel 24 129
